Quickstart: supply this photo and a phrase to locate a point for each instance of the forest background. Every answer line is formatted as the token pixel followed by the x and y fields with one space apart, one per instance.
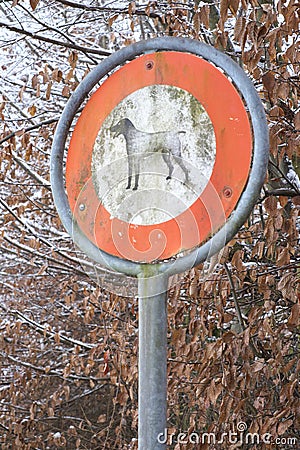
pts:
pixel 68 343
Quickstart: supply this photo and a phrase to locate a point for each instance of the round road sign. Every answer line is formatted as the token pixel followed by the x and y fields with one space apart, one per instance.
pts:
pixel 159 157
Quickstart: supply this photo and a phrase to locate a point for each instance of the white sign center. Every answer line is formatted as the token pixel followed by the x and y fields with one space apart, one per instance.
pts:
pixel 153 155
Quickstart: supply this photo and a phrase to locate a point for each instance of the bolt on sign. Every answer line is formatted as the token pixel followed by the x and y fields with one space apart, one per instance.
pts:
pixel 159 157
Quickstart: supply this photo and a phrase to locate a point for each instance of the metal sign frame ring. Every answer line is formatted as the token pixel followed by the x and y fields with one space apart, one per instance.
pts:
pixel 248 197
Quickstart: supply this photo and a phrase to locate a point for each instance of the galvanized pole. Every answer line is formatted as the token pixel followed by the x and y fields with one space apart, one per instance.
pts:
pixel 152 286
pixel 152 398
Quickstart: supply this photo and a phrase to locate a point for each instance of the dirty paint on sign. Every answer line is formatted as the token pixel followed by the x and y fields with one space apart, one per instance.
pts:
pixel 159 157
pixel 166 122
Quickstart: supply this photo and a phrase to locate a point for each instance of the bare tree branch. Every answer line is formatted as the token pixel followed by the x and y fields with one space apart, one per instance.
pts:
pixel 26 130
pixel 40 37
pixel 235 299
pixel 282 192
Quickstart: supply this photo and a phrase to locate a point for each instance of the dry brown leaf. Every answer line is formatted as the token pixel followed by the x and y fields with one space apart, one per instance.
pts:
pixel 247 336
pixel 269 82
pixel 48 90
pixel 214 391
pixel 73 58
pixel 35 81
pixel 285 284
pixel 34 3
pixel 237 260
pixel 239 30
pixel 131 8
pixel 57 75
pixel 276 112
pixel 283 257
pixel 32 110
pixel 258 366
pixel 283 91
pixel 283 426
pixel 294 319
pixel 204 16
pixel 197 22
pixel 270 205
pixel 227 337
pixel 234 6
pixel 66 91
pixel 112 19
pixel 224 5
pixel 297 120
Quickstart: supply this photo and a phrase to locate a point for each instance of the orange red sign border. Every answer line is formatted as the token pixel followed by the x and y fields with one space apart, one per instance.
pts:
pixel 222 102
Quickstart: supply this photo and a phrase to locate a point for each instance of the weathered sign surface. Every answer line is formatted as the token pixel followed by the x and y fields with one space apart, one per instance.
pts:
pixel 159 157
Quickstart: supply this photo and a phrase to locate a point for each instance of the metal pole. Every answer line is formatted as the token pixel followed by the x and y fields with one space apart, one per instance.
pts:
pixel 152 398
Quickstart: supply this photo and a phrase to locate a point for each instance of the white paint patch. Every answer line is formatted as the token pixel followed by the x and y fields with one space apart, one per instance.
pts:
pixel 166 118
